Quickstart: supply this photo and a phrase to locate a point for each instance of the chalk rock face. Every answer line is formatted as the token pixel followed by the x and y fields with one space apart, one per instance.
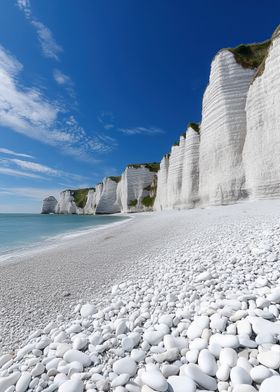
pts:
pixel 137 187
pixel 178 174
pixel 161 197
pixel 49 205
pixel 103 198
pixel 90 206
pixel 190 173
pixel 223 131
pixel 261 150
pixel 107 203
pixel 66 203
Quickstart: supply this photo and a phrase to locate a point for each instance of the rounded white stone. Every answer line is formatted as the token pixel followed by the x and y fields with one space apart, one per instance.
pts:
pixel 238 375
pixel 155 380
pixel 260 373
pixel 181 384
pixel 23 382
pixel 125 365
pixel 76 355
pixel 120 380
pixel 271 384
pixel 270 359
pixel 87 310
pixel 74 385
pixel 228 356
pixel 207 362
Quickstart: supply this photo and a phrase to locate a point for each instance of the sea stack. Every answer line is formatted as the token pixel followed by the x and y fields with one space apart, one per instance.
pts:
pixel 49 205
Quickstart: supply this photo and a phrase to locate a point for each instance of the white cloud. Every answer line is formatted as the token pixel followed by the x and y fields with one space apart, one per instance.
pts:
pixel 17 173
pixel 60 77
pixel 31 192
pixel 29 112
pixel 142 131
pixel 48 44
pixel 50 47
pixel 14 153
pixel 35 167
pixel 64 81
pixel 11 166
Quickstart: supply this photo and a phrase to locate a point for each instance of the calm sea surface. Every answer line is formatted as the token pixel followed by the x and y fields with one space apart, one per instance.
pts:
pixel 21 231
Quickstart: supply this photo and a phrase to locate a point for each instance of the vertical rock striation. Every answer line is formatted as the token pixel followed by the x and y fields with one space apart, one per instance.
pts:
pixel 66 203
pixel 178 174
pixel 136 188
pixel 223 131
pixel 107 203
pixel 261 153
pixel 190 174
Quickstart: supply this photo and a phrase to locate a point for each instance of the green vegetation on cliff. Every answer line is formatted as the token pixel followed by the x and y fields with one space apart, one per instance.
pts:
pixel 115 178
pixel 194 126
pixel 132 203
pixel 80 196
pixel 148 201
pixel 251 55
pixel 152 166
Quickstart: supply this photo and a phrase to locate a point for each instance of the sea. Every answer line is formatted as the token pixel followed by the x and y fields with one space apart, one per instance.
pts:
pixel 23 232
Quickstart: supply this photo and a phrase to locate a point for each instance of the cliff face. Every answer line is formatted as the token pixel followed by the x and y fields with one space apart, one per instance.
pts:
pixel 136 189
pixel 107 203
pixel 66 203
pixel 232 155
pixel 262 146
pixel 223 131
pixel 49 205
pixel 190 174
pixel 178 174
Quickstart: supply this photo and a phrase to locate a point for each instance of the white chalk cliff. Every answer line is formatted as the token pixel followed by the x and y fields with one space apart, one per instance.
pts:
pixel 103 199
pixel 178 174
pixel 234 154
pixel 223 131
pixel 66 203
pixel 136 189
pixel 49 205
pixel 261 153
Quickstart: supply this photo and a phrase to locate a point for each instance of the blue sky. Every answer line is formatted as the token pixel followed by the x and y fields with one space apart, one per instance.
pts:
pixel 87 87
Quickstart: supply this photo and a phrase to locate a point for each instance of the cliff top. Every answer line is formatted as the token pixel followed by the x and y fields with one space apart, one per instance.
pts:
pixel 250 55
pixel 152 166
pixel 115 178
pixel 194 126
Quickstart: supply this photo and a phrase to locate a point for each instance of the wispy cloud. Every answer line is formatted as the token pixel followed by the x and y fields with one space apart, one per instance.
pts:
pixel 65 81
pixel 30 192
pixel 35 167
pixel 142 131
pixel 11 166
pixel 18 173
pixel 107 120
pixel 27 111
pixel 14 153
pixel 48 44
pixel 60 77
pixel 50 47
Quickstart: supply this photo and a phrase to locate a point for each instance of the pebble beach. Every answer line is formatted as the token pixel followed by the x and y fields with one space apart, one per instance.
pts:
pixel 179 301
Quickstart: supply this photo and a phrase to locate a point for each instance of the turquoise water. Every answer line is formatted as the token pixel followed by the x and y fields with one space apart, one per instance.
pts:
pixel 20 231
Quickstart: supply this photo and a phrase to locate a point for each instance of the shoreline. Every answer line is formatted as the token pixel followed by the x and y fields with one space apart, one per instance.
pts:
pixel 52 242
pixel 196 277
pixel 35 288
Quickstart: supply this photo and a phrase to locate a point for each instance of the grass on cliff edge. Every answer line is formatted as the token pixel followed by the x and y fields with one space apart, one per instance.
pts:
pixel 80 197
pixel 153 166
pixel 251 55
pixel 115 178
